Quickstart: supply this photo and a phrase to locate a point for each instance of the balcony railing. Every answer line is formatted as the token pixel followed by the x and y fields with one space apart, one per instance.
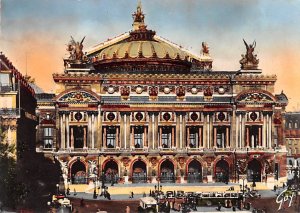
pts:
pixel 9 112
pixel 8 88
pixel 186 150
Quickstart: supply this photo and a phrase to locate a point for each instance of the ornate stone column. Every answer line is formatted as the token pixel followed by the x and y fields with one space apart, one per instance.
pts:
pixel 227 137
pixel 210 131
pixel 89 130
pixel 205 119
pixel 63 138
pixel 72 137
pixel 84 138
pixel 92 130
pixel 61 127
pixel 183 129
pixel 104 137
pixel 160 138
pixel 270 129
pixel 122 131
pixel 259 136
pixel 156 130
pixel 145 137
pixel 215 137
pixel 188 137
pixel 232 130
pixel 99 130
pixel 243 129
pixel 178 131
pixel 150 130
pixel 204 132
pixel 127 134
pixel 67 114
pixel 173 136
pixel 131 137
pixel 117 137
pixel 264 130
pixel 200 137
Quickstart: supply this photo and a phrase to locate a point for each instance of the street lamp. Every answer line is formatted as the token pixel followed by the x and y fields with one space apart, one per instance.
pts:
pixel 57 189
pixel 243 178
pixel 68 189
pixel 95 193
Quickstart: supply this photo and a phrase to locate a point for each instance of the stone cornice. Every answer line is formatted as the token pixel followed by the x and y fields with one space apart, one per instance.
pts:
pixel 88 78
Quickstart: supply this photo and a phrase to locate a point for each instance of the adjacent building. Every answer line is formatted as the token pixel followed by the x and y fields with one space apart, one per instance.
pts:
pixel 139 108
pixel 292 134
pixel 17 108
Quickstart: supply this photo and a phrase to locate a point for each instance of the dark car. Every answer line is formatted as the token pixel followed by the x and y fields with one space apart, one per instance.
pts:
pixel 180 194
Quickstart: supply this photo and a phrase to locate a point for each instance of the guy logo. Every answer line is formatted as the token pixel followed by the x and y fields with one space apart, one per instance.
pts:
pixel 284 196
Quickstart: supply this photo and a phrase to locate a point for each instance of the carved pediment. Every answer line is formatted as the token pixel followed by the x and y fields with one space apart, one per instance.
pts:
pixel 78 97
pixel 255 97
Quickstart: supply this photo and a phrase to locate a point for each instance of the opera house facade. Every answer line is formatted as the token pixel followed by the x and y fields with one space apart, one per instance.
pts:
pixel 139 108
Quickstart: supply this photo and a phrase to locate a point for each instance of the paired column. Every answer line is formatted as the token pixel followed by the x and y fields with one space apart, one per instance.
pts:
pixel 205 115
pixel 99 129
pixel 67 115
pixel 150 130
pixel 62 129
pixel 240 131
pixel 267 129
pixel 92 126
pixel 180 131
pixel 125 130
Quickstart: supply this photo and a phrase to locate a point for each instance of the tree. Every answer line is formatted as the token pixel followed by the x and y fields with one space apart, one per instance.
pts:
pixel 10 189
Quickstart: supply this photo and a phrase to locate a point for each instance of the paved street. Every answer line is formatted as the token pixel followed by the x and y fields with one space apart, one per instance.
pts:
pixel 121 200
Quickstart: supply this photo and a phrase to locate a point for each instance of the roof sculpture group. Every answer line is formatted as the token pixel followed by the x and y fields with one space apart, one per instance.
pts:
pixel 249 60
pixel 77 58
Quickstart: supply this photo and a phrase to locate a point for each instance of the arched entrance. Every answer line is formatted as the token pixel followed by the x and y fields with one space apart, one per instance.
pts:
pixel 111 172
pixel 167 172
pixel 222 171
pixel 254 171
pixel 194 174
pixel 139 172
pixel 78 173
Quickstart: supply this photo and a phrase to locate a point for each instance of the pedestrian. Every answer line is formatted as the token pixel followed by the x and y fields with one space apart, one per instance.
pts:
pixel 219 206
pixel 144 195
pixel 75 193
pixel 82 202
pixel 127 210
pixel 108 196
pixel 132 194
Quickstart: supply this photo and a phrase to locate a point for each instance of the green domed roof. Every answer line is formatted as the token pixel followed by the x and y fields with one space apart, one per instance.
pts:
pixel 142 50
pixel 148 49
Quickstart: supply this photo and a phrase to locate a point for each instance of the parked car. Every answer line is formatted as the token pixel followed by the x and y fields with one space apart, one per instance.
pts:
pixel 180 194
pixel 170 194
pixel 148 205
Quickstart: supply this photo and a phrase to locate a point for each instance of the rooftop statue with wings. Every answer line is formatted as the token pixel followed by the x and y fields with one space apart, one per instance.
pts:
pixel 249 60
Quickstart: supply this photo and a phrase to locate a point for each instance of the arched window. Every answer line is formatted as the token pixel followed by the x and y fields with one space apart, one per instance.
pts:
pixel 290 125
pixel 296 124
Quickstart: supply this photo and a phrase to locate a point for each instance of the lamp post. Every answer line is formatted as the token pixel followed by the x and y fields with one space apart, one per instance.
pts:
pixel 253 179
pixel 243 179
pixel 95 193
pixel 57 189
pixel 68 189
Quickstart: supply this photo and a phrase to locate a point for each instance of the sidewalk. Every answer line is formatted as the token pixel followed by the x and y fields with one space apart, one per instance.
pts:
pixel 126 196
pixel 126 189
